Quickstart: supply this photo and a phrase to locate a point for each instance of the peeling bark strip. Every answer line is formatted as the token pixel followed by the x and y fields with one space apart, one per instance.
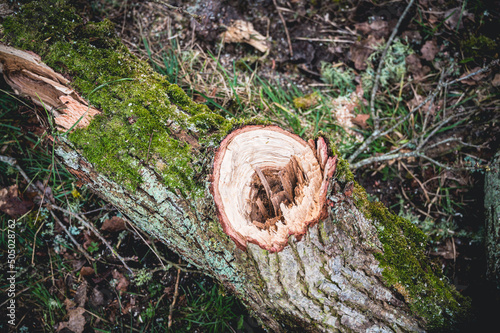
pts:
pixel 29 77
pixel 269 184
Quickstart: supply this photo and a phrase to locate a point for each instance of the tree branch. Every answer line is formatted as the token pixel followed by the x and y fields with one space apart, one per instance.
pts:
pixel 374 117
pixel 377 133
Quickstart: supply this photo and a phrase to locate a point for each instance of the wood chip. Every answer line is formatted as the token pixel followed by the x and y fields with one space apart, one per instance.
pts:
pixel 266 187
pixel 262 208
pixel 287 185
pixel 297 171
pixel 259 224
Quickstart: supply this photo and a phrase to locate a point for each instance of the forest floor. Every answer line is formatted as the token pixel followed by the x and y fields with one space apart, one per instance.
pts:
pixel 419 138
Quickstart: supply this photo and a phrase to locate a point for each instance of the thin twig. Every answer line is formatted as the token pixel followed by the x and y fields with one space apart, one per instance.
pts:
pixel 400 156
pixel 376 120
pixel 11 161
pixel 325 40
pixel 418 182
pixel 378 132
pixel 286 29
pixel 96 232
pixel 152 247
pixel 176 294
pixel 178 9
pixel 73 240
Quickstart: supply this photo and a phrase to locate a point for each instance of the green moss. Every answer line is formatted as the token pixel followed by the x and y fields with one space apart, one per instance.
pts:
pixel 41 21
pixel 143 116
pixel 408 270
pixel 406 267
pixel 479 46
pixel 306 102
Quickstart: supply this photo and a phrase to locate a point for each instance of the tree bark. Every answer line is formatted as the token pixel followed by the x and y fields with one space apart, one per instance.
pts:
pixel 336 273
pixel 492 212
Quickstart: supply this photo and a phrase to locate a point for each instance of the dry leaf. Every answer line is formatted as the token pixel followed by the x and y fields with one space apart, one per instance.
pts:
pixel 496 80
pixel 89 239
pixel 123 283
pixel 473 80
pixel 11 204
pixel 343 110
pixel 76 321
pixel 96 298
pixel 81 294
pixel 456 16
pixel 360 51
pixel 113 224
pixel 360 120
pixel 378 28
pixel 433 19
pixel 86 271
pixel 429 50
pixel 413 36
pixel 243 32
pixel 126 308
pixel 415 66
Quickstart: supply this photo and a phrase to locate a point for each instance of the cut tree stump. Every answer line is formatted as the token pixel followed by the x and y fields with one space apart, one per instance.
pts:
pixel 276 219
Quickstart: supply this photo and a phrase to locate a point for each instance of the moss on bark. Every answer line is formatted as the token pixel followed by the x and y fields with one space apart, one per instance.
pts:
pixel 144 116
pixel 406 267
pixel 147 120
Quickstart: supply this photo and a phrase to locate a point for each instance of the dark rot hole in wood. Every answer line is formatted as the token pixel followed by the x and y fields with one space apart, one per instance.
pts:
pixel 269 184
pixel 273 186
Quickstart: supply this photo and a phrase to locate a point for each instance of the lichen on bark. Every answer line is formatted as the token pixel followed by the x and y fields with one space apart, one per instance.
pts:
pixel 145 118
pixel 406 267
pixel 147 121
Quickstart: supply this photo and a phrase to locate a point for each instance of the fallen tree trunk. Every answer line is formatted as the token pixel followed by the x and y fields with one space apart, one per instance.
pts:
pixel 277 220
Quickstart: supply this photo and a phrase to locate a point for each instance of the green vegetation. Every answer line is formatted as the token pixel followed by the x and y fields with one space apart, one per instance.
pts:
pixel 476 46
pixel 406 268
pixel 142 111
pixel 212 311
pixel 145 115
pixel 45 283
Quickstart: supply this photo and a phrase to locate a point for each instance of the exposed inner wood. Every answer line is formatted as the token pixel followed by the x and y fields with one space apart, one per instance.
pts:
pixel 269 184
pixel 270 188
pixel 29 77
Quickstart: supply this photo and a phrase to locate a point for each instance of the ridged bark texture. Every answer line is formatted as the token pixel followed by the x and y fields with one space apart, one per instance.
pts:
pixel 492 212
pixel 149 151
pixel 328 281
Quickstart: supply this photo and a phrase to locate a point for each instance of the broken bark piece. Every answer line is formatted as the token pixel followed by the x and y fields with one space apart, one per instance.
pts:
pixel 30 77
pixel 296 170
pixel 268 169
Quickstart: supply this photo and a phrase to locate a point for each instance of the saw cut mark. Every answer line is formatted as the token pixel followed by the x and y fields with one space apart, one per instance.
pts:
pixel 269 184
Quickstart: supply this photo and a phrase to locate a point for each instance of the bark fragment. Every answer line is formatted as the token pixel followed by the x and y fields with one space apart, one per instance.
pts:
pixel 30 77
